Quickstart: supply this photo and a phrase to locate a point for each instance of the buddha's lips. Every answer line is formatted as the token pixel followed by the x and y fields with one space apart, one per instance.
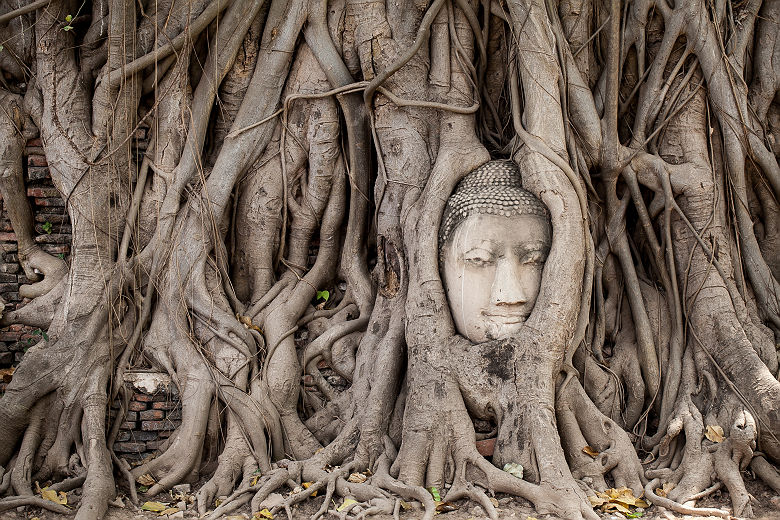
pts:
pixel 506 319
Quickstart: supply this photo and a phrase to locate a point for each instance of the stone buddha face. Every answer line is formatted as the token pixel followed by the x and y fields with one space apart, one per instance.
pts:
pixel 494 239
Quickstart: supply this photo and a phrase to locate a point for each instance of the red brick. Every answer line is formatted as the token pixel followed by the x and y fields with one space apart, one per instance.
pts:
pixel 152 415
pixel 144 398
pixel 136 406
pixel 7 237
pixel 128 425
pixel 37 160
pixel 486 447
pixel 35 142
pixel 166 405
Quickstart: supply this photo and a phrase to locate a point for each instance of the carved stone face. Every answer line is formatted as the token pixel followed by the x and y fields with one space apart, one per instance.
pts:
pixel 492 271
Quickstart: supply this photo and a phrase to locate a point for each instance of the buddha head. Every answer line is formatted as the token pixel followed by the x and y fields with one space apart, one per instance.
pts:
pixel 493 241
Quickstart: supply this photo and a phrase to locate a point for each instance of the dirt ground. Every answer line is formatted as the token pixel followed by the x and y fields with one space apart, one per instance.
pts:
pixel 766 506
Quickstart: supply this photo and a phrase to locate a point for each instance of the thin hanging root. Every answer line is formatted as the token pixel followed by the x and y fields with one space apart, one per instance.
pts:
pixel 679 508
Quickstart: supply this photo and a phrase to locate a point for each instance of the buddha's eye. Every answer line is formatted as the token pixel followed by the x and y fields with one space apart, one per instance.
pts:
pixel 536 258
pixel 478 258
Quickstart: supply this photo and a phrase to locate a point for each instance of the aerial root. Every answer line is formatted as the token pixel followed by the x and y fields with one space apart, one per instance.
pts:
pixel 677 507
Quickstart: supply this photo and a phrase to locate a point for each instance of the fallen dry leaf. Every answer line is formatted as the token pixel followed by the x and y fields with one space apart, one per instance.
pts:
pixel 590 451
pixel 346 503
pixel 263 513
pixel 663 491
pixel 307 485
pixel 52 496
pixel 6 374
pixel 714 433
pixel 169 511
pixel 154 506
pixel 357 478
pixel 146 480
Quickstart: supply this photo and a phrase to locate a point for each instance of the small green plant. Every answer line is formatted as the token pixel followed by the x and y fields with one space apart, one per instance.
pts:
pixel 41 333
pixel 323 295
pixel 68 27
pixel 61 256
pixel 47 226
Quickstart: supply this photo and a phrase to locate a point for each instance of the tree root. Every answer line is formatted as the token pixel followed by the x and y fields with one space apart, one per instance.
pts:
pixel 679 508
pixel 14 502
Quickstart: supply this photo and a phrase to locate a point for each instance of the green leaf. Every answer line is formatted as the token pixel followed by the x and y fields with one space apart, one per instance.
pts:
pixel 68 18
pixel 67 28
pixel 47 227
pixel 435 494
pixel 143 489
pixel 635 514
pixel 323 295
pixel 1 48
pixel 61 256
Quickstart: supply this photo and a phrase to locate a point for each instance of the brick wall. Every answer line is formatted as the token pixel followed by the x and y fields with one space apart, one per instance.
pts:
pixel 154 411
pixel 53 233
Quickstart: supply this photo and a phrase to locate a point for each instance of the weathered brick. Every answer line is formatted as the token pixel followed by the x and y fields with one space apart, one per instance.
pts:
pixel 164 405
pixel 486 447
pixel 54 218
pixel 10 335
pixel 174 415
pixel 9 268
pixel 152 415
pixel 130 447
pixel 49 202
pixel 34 142
pixel 123 436
pixel 157 425
pixel 54 238
pixel 9 287
pixel 37 160
pixel 43 192
pixel 131 416
pixel 141 436
pixel 8 277
pixel 37 173
pixel 128 425
pixel 144 398
pixel 6 359
pixel 136 406
pixel 154 445
pixel 7 237
pixel 55 249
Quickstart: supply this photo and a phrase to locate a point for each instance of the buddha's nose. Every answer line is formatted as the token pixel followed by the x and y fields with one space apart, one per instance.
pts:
pixel 508 286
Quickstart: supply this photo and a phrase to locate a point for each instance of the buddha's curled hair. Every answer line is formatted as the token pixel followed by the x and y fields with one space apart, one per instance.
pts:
pixel 495 188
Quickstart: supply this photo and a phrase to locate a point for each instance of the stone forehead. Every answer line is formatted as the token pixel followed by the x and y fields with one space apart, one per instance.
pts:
pixel 495 188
